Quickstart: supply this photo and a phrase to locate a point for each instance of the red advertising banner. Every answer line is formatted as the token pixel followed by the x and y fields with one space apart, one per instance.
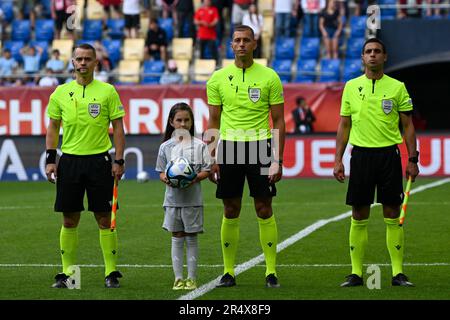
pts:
pixel 23 109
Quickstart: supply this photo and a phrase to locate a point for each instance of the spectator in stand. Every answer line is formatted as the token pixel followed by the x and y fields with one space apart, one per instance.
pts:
pixel 48 80
pixel 103 57
pixel 221 5
pixel 71 70
pixel 8 66
pixel 131 11
pixel 169 10
pixel 255 21
pixel 100 74
pixel 31 62
pixel 185 16
pixel 284 9
pixel 26 9
pixel 107 5
pixel 56 64
pixel 60 14
pixel 206 19
pixel 303 117
pixel 411 12
pixel 156 42
pixel 330 24
pixel 171 74
pixel 311 8
pixel 433 11
pixel 239 9
pixel 361 6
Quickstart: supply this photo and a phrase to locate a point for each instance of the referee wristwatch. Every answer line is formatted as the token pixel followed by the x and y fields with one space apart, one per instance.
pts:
pixel 120 162
pixel 414 159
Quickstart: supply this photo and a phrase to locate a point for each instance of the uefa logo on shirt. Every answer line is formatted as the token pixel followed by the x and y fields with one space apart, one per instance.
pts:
pixel 94 109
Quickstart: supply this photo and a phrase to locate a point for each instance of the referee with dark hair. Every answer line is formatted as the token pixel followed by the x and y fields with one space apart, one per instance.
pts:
pixel 373 106
pixel 85 107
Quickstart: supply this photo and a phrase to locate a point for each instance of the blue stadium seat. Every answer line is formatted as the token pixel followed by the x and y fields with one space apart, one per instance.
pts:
pixel 229 51
pixel 44 30
pixel 352 69
pixel 81 41
pixel 115 27
pixel 330 70
pixel 208 54
pixel 283 68
pixel 354 47
pixel 20 30
pixel 306 69
pixel 285 48
pixel 44 46
pixel 388 13
pixel 112 47
pixel 167 25
pixel 14 47
pixel 309 48
pixel 8 10
pixel 92 29
pixel 358 26
pixel 153 66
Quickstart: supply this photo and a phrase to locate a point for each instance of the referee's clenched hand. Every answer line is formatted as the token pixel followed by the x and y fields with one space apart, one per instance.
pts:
pixel 50 172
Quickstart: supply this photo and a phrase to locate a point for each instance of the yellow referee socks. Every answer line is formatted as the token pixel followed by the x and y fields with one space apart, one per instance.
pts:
pixel 358 243
pixel 108 243
pixel 229 234
pixel 394 242
pixel 268 236
pixel 68 241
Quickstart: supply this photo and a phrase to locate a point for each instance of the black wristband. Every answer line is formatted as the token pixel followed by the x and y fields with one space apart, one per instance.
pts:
pixel 50 157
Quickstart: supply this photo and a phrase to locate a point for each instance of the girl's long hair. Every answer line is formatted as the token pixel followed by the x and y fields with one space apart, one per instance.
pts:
pixel 173 111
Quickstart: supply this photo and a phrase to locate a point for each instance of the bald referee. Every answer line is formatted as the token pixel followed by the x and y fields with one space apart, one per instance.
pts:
pixel 85 108
pixel 372 107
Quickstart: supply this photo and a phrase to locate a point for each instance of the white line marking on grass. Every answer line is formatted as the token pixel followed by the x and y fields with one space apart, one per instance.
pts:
pixel 291 240
pixel 169 266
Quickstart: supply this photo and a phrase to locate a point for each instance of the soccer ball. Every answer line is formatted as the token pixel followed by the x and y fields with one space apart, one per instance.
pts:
pixel 142 177
pixel 180 173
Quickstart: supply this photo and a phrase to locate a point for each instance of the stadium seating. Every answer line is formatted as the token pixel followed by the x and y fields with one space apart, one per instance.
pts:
pixel 14 47
pixel 112 47
pixel 153 69
pixel 182 48
pixel 309 48
pixel 65 47
pixel 285 48
pixel 330 70
pixel 94 10
pixel 354 47
pixel 20 30
pixel 203 69
pixel 44 30
pixel 306 70
pixel 357 26
pixel 229 54
pixel 167 25
pixel 133 49
pixel 129 71
pixel 388 13
pixel 183 68
pixel 262 61
pixel 352 69
pixel 115 27
pixel 227 62
pixel 92 29
pixel 144 22
pixel 8 10
pixel 283 68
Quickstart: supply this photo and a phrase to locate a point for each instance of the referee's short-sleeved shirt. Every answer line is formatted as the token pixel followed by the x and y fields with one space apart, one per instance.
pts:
pixel 86 112
pixel 374 107
pixel 245 96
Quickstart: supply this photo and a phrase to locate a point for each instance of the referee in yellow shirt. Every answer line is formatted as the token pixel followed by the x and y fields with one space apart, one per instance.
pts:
pixel 85 107
pixel 241 97
pixel 372 107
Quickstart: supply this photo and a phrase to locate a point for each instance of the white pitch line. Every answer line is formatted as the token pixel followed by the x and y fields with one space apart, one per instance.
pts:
pixel 291 240
pixel 169 266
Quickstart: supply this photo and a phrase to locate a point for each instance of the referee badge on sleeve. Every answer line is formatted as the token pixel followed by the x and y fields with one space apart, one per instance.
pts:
pixel 254 94
pixel 387 106
pixel 94 109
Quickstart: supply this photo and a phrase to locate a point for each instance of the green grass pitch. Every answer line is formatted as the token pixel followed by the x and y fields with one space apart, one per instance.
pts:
pixel 309 269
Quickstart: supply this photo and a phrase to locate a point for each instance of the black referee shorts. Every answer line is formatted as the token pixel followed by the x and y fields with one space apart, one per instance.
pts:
pixel 79 174
pixel 379 168
pixel 239 160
